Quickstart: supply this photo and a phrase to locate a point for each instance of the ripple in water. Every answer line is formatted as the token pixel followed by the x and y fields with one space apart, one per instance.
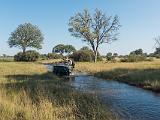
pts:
pixel 129 102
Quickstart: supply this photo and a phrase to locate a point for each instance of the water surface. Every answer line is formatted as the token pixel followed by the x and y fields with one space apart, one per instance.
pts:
pixel 129 102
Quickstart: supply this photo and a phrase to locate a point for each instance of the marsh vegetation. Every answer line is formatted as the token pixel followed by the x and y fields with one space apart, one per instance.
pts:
pixel 141 74
pixel 29 92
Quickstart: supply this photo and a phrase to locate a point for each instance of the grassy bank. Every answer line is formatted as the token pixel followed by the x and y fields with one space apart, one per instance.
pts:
pixel 29 92
pixel 141 74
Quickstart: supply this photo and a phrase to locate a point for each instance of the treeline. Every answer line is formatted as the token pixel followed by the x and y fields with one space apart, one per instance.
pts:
pixel 85 54
pixel 134 56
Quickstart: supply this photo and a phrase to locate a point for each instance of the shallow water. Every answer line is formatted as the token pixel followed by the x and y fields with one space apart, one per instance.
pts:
pixel 129 102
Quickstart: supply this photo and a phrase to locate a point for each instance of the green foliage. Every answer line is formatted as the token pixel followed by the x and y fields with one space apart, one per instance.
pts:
pixel 95 30
pixel 28 56
pixel 61 48
pixel 145 78
pixel 111 57
pixel 137 52
pixel 82 56
pixel 85 48
pixel 54 56
pixel 69 49
pixel 115 54
pixel 134 58
pixel 50 56
pixel 43 57
pixel 26 35
pixel 157 53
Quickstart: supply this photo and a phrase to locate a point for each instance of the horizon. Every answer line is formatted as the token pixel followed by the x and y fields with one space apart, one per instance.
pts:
pixel 139 20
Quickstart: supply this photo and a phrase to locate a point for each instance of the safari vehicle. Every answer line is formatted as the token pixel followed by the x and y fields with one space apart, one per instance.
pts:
pixel 63 68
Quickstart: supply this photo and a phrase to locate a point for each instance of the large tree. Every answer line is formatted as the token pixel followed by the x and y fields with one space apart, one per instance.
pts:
pixel 69 49
pixel 157 42
pixel 95 30
pixel 157 45
pixel 85 48
pixel 61 48
pixel 137 52
pixel 26 35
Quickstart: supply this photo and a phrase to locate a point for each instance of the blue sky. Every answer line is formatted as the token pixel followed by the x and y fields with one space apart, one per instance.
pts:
pixel 140 20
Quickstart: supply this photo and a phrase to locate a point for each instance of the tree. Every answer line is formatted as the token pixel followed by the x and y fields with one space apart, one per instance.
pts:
pixel 137 52
pixel 60 48
pixel 157 42
pixel 109 56
pixel 85 48
pixel 4 55
pixel 82 56
pixel 115 54
pixel 95 30
pixel 26 35
pixel 69 49
pixel 157 52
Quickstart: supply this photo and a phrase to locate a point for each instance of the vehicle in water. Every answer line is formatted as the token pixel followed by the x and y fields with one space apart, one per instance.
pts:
pixel 64 68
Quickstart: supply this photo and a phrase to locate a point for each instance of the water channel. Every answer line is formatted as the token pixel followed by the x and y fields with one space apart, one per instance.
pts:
pixel 129 102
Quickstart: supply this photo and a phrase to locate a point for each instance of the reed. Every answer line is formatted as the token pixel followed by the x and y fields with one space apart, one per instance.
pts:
pixel 29 92
pixel 141 74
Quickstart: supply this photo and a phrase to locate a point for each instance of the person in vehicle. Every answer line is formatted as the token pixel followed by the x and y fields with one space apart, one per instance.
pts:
pixel 69 62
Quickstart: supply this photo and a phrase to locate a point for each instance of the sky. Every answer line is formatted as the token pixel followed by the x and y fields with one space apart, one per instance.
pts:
pixel 139 19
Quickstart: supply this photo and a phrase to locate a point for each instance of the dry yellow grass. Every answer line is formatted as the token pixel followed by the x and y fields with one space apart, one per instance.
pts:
pixel 142 74
pixel 49 61
pixel 28 92
pixel 104 66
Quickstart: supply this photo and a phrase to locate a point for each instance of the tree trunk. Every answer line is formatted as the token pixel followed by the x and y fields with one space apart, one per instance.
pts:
pixel 24 50
pixel 95 56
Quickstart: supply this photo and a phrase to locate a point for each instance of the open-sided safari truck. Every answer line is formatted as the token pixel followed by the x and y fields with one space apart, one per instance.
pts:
pixel 64 68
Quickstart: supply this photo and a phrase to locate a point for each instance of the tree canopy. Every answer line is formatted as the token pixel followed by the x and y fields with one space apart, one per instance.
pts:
pixel 61 48
pixel 85 48
pixel 26 35
pixel 94 30
pixel 69 49
pixel 137 52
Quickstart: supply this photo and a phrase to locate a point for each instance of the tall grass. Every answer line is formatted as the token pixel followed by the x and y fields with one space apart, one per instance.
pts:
pixel 142 74
pixel 29 92
pixel 6 59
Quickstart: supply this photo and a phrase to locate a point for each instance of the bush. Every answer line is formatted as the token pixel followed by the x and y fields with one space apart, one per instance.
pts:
pixel 43 57
pixel 54 56
pixel 133 58
pixel 82 56
pixel 29 56
pixel 157 55
pixel 150 59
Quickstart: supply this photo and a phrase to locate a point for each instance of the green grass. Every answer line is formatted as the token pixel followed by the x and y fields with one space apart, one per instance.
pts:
pixel 146 78
pixel 29 92
pixel 141 74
